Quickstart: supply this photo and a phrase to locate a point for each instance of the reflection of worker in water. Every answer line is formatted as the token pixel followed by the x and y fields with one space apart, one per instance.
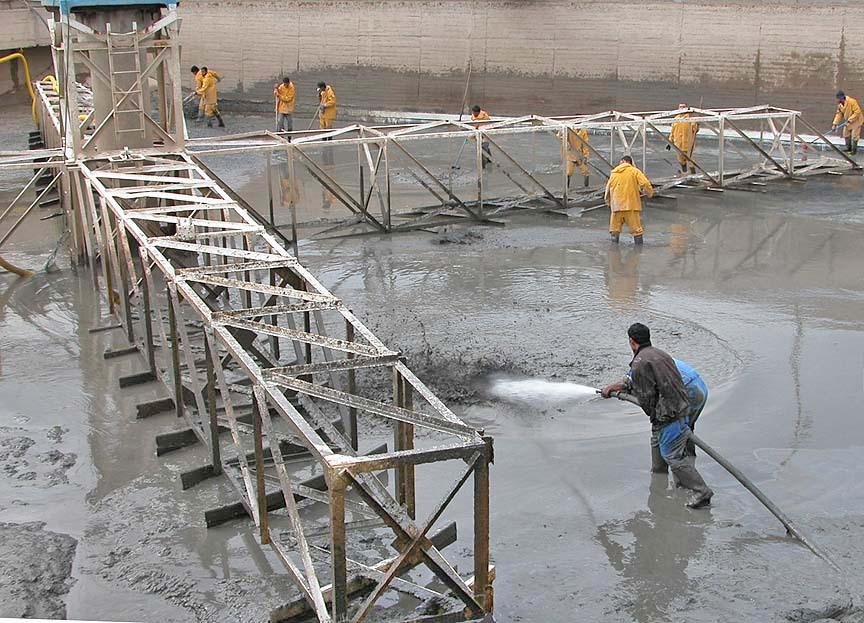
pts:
pixel 678 239
pixel 683 136
pixel 653 561
pixel 478 114
pixel 288 194
pixel 656 383
pixel 577 155
pixel 849 111
pixel 623 196
pixel 622 276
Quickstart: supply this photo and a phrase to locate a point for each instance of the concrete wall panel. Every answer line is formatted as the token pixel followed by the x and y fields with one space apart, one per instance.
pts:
pixel 535 56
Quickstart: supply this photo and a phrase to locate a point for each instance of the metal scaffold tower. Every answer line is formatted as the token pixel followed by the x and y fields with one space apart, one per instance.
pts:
pixel 272 373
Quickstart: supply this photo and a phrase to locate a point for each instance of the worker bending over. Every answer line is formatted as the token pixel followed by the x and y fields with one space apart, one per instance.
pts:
pixel 210 96
pixel 848 112
pixel 654 380
pixel 577 155
pixel 683 136
pixel 478 114
pixel 326 106
pixel 284 94
pixel 623 196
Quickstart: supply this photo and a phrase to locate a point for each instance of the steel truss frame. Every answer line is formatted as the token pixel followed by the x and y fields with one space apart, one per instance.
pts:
pixel 254 348
pixel 223 268
pixel 731 153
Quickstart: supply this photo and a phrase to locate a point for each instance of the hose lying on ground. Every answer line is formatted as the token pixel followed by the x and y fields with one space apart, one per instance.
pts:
pixel 21 272
pixel 791 528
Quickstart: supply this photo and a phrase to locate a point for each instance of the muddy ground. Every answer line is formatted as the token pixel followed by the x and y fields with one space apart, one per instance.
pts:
pixel 762 292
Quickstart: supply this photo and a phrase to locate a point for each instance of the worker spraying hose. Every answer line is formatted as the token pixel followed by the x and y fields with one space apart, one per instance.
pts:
pixel 656 382
pixel 657 385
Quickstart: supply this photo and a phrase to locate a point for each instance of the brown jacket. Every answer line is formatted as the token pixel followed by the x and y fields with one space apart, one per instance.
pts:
pixel 656 382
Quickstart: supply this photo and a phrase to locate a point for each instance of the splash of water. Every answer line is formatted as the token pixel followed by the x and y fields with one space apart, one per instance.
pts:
pixel 539 390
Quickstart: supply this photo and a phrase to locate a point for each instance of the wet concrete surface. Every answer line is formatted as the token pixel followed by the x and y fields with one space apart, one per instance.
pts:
pixel 761 292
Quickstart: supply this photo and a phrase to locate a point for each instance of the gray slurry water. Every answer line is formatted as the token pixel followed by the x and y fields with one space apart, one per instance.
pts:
pixel 761 292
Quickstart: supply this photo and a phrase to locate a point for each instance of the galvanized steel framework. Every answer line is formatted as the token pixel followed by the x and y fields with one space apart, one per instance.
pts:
pixel 252 345
pixel 241 331
pixel 735 147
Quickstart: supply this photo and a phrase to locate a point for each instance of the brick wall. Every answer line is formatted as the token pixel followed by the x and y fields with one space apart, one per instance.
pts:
pixel 534 56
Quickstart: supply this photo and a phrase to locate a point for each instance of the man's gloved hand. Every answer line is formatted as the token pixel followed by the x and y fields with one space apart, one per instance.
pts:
pixel 668 147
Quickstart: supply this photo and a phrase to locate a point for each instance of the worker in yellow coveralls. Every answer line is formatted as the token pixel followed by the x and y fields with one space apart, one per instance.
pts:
pixel 478 114
pixel 284 93
pixel 210 96
pixel 683 136
pixel 849 113
pixel 577 155
pixel 326 106
pixel 623 196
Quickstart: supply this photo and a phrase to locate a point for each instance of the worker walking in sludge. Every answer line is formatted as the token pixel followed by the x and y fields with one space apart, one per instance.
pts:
pixel 478 114
pixel 623 196
pixel 849 113
pixel 210 96
pixel 284 93
pixel 655 381
pixel 577 155
pixel 326 106
pixel 683 136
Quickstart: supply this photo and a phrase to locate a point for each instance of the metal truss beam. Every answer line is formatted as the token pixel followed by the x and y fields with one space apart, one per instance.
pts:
pixel 734 146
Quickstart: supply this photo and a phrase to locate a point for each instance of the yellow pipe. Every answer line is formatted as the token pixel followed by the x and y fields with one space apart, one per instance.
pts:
pixel 19 56
pixel 54 84
pixel 21 272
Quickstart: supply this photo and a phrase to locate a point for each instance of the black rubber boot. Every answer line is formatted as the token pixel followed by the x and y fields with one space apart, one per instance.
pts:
pixel 615 237
pixel 683 168
pixel 585 181
pixel 698 500
pixel 637 240
pixel 848 144
pixel 854 148
pixel 569 179
pixel 221 123
pixel 692 170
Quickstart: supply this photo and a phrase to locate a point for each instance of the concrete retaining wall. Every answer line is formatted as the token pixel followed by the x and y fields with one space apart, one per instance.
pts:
pixel 535 56
pixel 19 26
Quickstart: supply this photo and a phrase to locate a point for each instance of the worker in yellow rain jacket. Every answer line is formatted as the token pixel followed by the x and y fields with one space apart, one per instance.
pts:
pixel 284 94
pixel 326 106
pixel 478 114
pixel 683 136
pixel 210 96
pixel 577 155
pixel 197 81
pixel 849 110
pixel 623 190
